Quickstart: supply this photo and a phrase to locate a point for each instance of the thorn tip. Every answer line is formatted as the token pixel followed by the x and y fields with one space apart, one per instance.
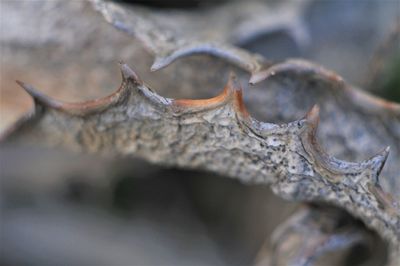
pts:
pixel 128 73
pixel 159 63
pixel 313 116
pixel 377 162
pixel 233 83
pixel 235 86
pixel 257 77
pixel 38 97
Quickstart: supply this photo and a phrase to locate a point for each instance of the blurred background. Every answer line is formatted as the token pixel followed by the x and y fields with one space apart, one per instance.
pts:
pixel 66 209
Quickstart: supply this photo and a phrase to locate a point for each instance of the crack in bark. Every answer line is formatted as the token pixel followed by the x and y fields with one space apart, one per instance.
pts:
pixel 216 127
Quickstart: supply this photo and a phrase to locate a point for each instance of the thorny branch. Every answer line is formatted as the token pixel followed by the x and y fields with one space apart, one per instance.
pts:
pixel 219 135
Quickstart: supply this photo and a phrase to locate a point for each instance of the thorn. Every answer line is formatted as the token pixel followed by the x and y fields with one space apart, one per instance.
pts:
pixel 159 63
pixel 235 86
pixel 28 88
pixel 128 73
pixel 258 77
pixel 313 117
pixel 386 151
pixel 38 97
pixel 255 78
pixel 378 162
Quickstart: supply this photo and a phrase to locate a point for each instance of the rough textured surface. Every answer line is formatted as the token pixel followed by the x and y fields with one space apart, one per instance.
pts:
pixel 332 33
pixel 370 123
pixel 169 35
pixel 340 103
pixel 218 135
pixel 369 126
pixel 310 235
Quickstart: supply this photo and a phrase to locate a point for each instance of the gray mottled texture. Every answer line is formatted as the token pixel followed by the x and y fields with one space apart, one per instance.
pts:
pixel 335 34
pixel 218 135
pixel 170 35
pixel 310 235
pixel 275 98
pixel 369 124
pixel 353 124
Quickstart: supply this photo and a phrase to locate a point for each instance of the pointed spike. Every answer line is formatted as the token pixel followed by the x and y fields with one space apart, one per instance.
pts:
pixel 233 83
pixel 239 104
pixel 87 107
pixel 254 78
pixel 161 62
pixel 312 117
pixel 266 73
pixel 156 65
pixel 257 77
pixel 377 162
pixel 128 73
pixel 39 97
pixel 310 141
pixel 236 87
pixel 386 151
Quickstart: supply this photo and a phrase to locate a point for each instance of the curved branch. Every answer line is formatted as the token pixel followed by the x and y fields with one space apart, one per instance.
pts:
pixel 217 135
